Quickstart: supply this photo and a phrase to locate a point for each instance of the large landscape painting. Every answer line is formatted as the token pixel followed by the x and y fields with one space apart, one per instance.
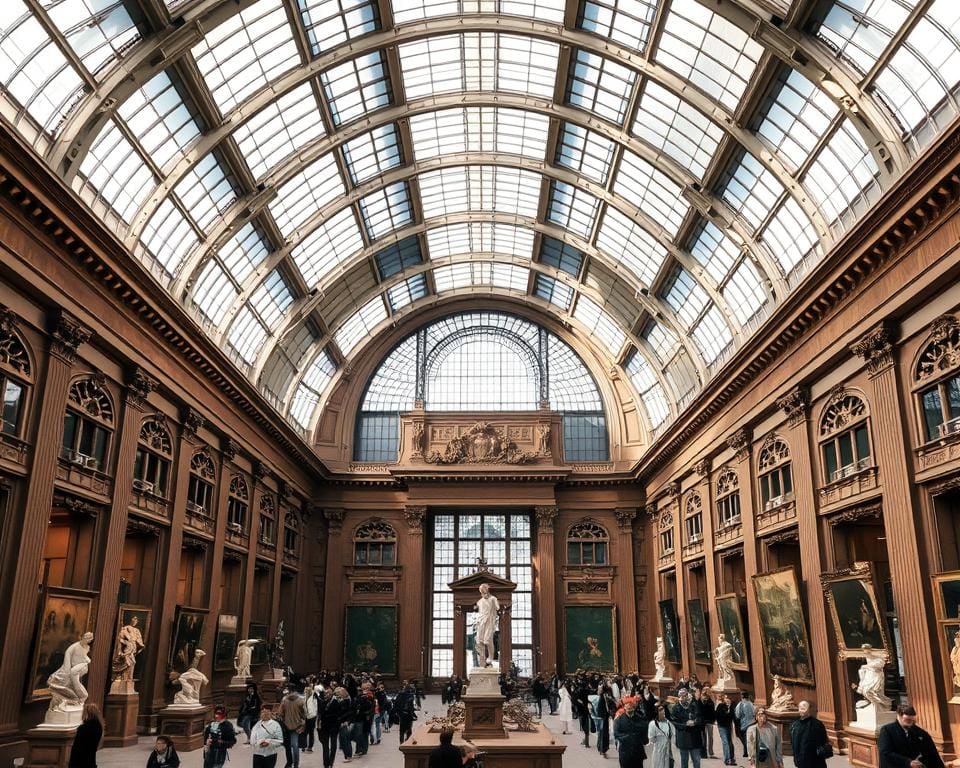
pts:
pixel 782 626
pixel 591 638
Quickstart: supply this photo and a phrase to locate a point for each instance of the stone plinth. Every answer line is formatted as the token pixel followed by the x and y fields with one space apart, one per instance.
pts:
pixel 120 713
pixel 50 746
pixel 870 719
pixel 483 682
pixel 484 717
pixel 661 687
pixel 184 723
pixel 234 694
pixel 270 689
pixel 519 750
pixel 783 719
pixel 726 686
pixel 861 735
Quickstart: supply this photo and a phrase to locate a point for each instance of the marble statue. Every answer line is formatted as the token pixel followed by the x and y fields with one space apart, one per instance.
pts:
pixel 488 609
pixel 129 644
pixel 191 682
pixel 243 657
pixel 871 680
pixel 955 660
pixel 660 661
pixel 543 431
pixel 780 698
pixel 723 653
pixel 68 693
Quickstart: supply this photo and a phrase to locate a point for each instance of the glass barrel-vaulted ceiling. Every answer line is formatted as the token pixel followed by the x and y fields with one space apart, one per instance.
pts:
pixel 301 173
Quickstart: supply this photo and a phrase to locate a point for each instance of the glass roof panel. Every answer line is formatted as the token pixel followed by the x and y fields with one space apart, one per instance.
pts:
pixel 557 293
pixel 407 292
pixel 744 293
pixel 686 297
pixel 628 243
pixel 416 10
pixel 168 236
pixel 159 118
pixel 645 381
pixel 247 335
pixel 572 208
pixel 386 210
pixel 479 188
pixel 206 191
pixel 599 85
pixel 560 255
pixel 307 395
pixel 479 129
pixel 585 151
pixel 751 189
pixel 271 299
pixel 245 52
pixel 278 130
pixel 716 56
pixel 334 242
pixel 117 171
pixel 306 192
pixel 842 172
pixel 572 388
pixel 397 257
pixel 860 30
pixel 480 237
pixel 331 22
pixel 481 273
pixel 243 252
pixel 663 342
pixel 360 324
pixel 356 87
pixel 626 21
pixel 393 386
pixel 715 251
pixel 652 191
pixel 214 292
pixel 790 236
pixel 671 125
pixel 373 153
pixel 797 117
pixel 98 31
pixel 712 335
pixel 600 324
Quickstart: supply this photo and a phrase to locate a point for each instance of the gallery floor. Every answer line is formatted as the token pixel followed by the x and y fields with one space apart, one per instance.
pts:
pixel 387 755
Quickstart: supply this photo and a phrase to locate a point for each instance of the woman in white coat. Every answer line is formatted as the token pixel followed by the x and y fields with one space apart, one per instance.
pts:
pixel 565 710
pixel 660 734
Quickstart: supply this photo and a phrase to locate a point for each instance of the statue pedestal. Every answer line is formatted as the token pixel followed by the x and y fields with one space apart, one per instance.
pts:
pixel 861 735
pixel 661 687
pixel 871 720
pixel 235 692
pixel 783 719
pixel 726 686
pixel 50 745
pixel 120 712
pixel 483 704
pixel 271 686
pixel 536 748
pixel 184 723
pixel 238 682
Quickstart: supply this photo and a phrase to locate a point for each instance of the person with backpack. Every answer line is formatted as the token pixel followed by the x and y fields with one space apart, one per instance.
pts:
pixel 744 715
pixel 218 737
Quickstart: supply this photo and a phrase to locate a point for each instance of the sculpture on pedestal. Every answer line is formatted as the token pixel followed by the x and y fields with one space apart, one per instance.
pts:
pixel 488 609
pixel 68 693
pixel 243 658
pixel 723 653
pixel 191 682
pixel 781 699
pixel 955 660
pixel 871 681
pixel 660 661
pixel 129 644
pixel 276 650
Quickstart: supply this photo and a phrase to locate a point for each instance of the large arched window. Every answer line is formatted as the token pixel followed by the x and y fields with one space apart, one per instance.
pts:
pixel 728 498
pixel 693 518
pixel 375 543
pixel 587 544
pixel 844 437
pixel 87 424
pixel 238 503
pixel 776 477
pixel 200 490
pixel 482 361
pixel 15 376
pixel 937 375
pixel 151 470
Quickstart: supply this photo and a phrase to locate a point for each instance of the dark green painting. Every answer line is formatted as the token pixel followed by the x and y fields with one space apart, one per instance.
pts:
pixel 370 639
pixel 591 638
pixel 698 631
pixel 259 632
pixel 671 630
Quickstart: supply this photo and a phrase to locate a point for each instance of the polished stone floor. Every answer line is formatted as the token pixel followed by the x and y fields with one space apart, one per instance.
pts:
pixel 387 755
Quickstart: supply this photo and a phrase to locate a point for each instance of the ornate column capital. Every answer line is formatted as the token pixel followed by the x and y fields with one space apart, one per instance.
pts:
pixel 739 443
pixel 139 386
pixel 546 517
pixel 674 490
pixel 414 516
pixel 334 518
pixel 651 511
pixel 625 516
pixel 230 448
pixel 702 468
pixel 795 405
pixel 67 335
pixel 8 320
pixel 260 470
pixel 193 421
pixel 876 347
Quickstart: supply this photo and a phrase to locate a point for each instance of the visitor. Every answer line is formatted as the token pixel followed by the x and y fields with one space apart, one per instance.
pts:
pixel 310 707
pixel 249 709
pixel 383 711
pixel 764 748
pixel 631 732
pixel 606 709
pixel 445 755
pixel 724 717
pixel 362 719
pixel 688 720
pixel 218 737
pixel 164 754
pixel 267 739
pixel 539 690
pixel 565 708
pixel 293 719
pixel 660 736
pixel 333 711
pixel 904 744
pixel 744 715
pixel 581 701
pixel 404 706
pixel 86 742
pixel 553 692
pixel 709 710
pixel 469 755
pixel 808 739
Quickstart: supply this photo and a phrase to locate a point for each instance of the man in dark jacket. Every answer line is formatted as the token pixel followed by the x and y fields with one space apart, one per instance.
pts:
pixel 445 755
pixel 630 733
pixel 807 736
pixel 218 737
pixel 539 690
pixel 904 744
pixel 687 718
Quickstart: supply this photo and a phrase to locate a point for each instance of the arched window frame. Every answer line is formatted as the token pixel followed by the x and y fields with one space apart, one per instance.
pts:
pixel 775 473
pixel 693 518
pixel 16 379
pixel 267 531
pixel 88 424
pixel 728 498
pixel 291 533
pixel 665 527
pixel 238 505
pixel 200 491
pixel 844 435
pixel 151 468
pixel 936 375
pixel 375 544
pixel 588 544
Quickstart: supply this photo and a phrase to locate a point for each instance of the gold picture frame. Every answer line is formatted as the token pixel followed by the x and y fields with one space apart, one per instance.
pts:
pixel 783 626
pixel 855 611
pixel 64 616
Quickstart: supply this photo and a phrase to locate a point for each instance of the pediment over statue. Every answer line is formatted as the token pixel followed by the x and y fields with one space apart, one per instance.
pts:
pixel 498 585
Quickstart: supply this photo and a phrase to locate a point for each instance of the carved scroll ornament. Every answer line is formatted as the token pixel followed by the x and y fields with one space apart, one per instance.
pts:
pixel 482 444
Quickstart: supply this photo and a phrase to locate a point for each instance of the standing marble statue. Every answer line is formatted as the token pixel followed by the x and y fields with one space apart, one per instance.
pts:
pixel 488 609
pixel 660 661
pixel 191 682
pixel 68 693
pixel 129 644
pixel 723 653
pixel 243 658
pixel 955 660
pixel 871 680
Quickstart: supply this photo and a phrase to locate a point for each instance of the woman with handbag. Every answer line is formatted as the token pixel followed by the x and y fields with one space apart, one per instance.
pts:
pixel 764 747
pixel 808 737
pixel 660 734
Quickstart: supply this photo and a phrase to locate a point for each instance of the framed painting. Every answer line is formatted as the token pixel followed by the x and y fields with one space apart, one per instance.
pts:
pixel 64 616
pixel 698 632
pixel 786 648
pixel 226 644
pixel 730 620
pixel 261 650
pixel 854 610
pixel 947 588
pixel 188 625
pixel 671 630
pixel 590 633
pixel 137 617
pixel 370 639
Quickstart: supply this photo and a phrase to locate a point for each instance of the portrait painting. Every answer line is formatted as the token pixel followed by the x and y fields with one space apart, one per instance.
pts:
pixel 226 643
pixel 261 650
pixel 65 616
pixel 730 620
pixel 950 636
pixel 188 625
pixel 782 626
pixel 590 634
pixel 854 610
pixel 370 639
pixel 948 594
pixel 142 615
pixel 698 631
pixel 671 630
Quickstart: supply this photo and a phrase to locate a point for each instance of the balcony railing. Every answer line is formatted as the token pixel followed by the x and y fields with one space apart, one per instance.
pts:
pixel 951 427
pixel 850 469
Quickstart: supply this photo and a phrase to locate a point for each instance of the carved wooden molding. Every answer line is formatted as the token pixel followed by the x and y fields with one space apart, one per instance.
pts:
pixel 193 422
pixel 853 514
pixel 414 517
pixel 546 517
pixel 625 516
pixel 739 443
pixel 66 337
pixel 260 470
pixel 334 518
pixel 876 347
pixel 942 353
pixel 945 486
pixel 784 537
pixel 587 587
pixel 795 405
pixel 702 468
pixel 137 527
pixel 139 387
pixel 483 443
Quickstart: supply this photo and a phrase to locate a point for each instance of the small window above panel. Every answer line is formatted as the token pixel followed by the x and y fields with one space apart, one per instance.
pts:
pixel 557 293
pixel 479 129
pixel 626 21
pixel 333 242
pixel 360 324
pixel 331 22
pixel 407 292
pixel 311 387
pixel 397 257
pixel 628 243
pixel 599 85
pixel 357 87
pixel 600 324
pixel 560 255
pixel 306 192
pixel 572 208
pixel 372 154
pixel 585 152
pixel 480 237
pixel 386 210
